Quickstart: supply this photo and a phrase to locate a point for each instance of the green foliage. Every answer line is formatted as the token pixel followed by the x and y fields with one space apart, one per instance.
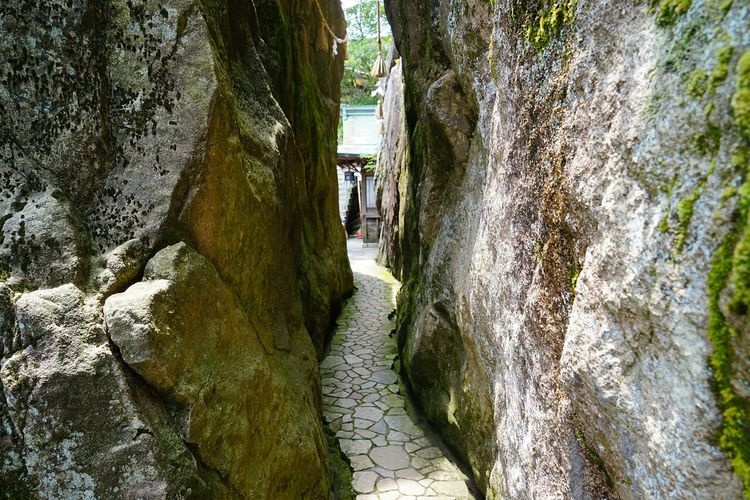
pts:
pixel 362 20
pixel 357 84
pixel 362 50
pixel 369 162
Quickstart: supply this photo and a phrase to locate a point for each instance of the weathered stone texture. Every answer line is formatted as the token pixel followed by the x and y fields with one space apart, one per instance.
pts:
pixel 170 256
pixel 572 185
pixel 391 173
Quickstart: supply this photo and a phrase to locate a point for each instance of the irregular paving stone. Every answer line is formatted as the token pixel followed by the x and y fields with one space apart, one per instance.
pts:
pixel 397 436
pixel 364 482
pixel 370 398
pixel 429 453
pixel 365 434
pixel 385 377
pixel 380 428
pixel 443 475
pixel 347 403
pixel 411 447
pixel 384 472
pixel 451 488
pixel 379 441
pixel 332 361
pixel 368 413
pixel 390 495
pixel 402 423
pixel 360 462
pixel 386 484
pixel 393 400
pixel 389 453
pixel 409 473
pixel 362 424
pixel 410 487
pixel 354 447
pixel 390 457
pixel 423 442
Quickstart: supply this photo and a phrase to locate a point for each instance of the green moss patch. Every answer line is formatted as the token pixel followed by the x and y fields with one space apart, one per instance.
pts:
pixel 697 83
pixel 339 469
pixel 731 263
pixel 721 70
pixel 684 216
pixel 594 457
pixel 722 6
pixel 741 97
pixel 684 210
pixel 546 23
pixel 708 141
pixel 735 409
pixel 668 11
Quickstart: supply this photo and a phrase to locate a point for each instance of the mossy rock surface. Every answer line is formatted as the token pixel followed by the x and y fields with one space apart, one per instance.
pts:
pixel 129 127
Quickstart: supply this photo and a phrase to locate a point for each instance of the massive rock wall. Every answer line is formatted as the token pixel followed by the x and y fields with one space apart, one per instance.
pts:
pixel 572 241
pixel 170 257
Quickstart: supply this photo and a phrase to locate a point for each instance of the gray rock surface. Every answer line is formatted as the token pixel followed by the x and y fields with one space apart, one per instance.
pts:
pixel 170 254
pixel 392 174
pixel 572 207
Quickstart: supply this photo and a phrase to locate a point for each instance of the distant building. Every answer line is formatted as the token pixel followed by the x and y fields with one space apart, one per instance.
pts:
pixel 360 143
pixel 361 130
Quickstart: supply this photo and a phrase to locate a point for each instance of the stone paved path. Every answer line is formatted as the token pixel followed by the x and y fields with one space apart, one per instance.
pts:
pixel 391 456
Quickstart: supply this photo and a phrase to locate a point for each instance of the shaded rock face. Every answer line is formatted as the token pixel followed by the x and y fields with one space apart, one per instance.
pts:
pixel 392 175
pixel 171 258
pixel 572 244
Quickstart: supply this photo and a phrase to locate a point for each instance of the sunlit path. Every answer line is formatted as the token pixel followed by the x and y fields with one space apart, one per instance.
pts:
pixel 392 457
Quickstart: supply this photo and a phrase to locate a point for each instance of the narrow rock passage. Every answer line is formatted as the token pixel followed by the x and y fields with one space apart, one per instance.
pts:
pixel 392 457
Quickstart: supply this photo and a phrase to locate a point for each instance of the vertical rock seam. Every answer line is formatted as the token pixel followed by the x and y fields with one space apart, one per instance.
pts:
pixel 567 208
pixel 171 260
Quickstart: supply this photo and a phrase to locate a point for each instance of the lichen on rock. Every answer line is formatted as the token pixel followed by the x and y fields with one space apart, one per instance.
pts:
pixel 572 316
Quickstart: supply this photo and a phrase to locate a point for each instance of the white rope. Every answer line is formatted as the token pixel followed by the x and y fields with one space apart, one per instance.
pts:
pixel 336 40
